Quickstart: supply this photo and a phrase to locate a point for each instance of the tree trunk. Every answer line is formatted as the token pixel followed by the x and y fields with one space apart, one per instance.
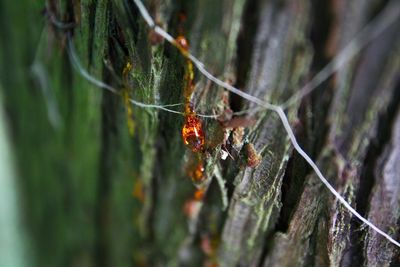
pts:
pixel 96 181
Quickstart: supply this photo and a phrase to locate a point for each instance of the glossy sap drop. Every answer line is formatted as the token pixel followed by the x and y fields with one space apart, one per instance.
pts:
pixel 192 133
pixel 182 43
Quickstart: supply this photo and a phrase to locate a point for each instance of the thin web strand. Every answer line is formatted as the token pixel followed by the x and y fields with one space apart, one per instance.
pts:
pixel 283 118
pixel 288 129
pixel 77 65
pixel 83 72
pixel 57 23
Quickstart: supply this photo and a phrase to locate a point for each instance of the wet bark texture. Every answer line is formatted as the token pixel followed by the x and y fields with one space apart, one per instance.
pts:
pixel 93 195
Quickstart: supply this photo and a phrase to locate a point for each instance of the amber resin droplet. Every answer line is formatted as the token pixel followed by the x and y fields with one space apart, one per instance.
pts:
pixel 199 194
pixel 182 43
pixel 192 133
pixel 125 93
pixel 127 69
pixel 197 174
pixel 138 191
pixel 195 168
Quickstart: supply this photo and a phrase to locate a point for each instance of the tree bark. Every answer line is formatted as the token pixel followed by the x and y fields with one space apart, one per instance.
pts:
pixel 98 186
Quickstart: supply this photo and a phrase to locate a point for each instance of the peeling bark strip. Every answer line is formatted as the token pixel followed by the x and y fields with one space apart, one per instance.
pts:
pixel 90 211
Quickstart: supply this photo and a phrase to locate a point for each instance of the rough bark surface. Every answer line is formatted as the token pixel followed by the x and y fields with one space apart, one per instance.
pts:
pixel 90 193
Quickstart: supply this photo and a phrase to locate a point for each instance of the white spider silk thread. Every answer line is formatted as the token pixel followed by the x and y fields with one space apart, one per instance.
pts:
pixel 276 108
pixel 83 72
pixel 77 65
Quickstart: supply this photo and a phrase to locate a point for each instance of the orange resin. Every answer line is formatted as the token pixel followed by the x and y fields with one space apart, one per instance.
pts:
pixel 195 168
pixel 126 97
pixel 192 133
pixel 199 194
pixel 196 172
pixel 192 130
pixel 182 43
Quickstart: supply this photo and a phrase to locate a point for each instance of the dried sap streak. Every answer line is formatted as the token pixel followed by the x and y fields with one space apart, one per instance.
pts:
pixel 125 96
pixel 192 130
pixel 192 133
